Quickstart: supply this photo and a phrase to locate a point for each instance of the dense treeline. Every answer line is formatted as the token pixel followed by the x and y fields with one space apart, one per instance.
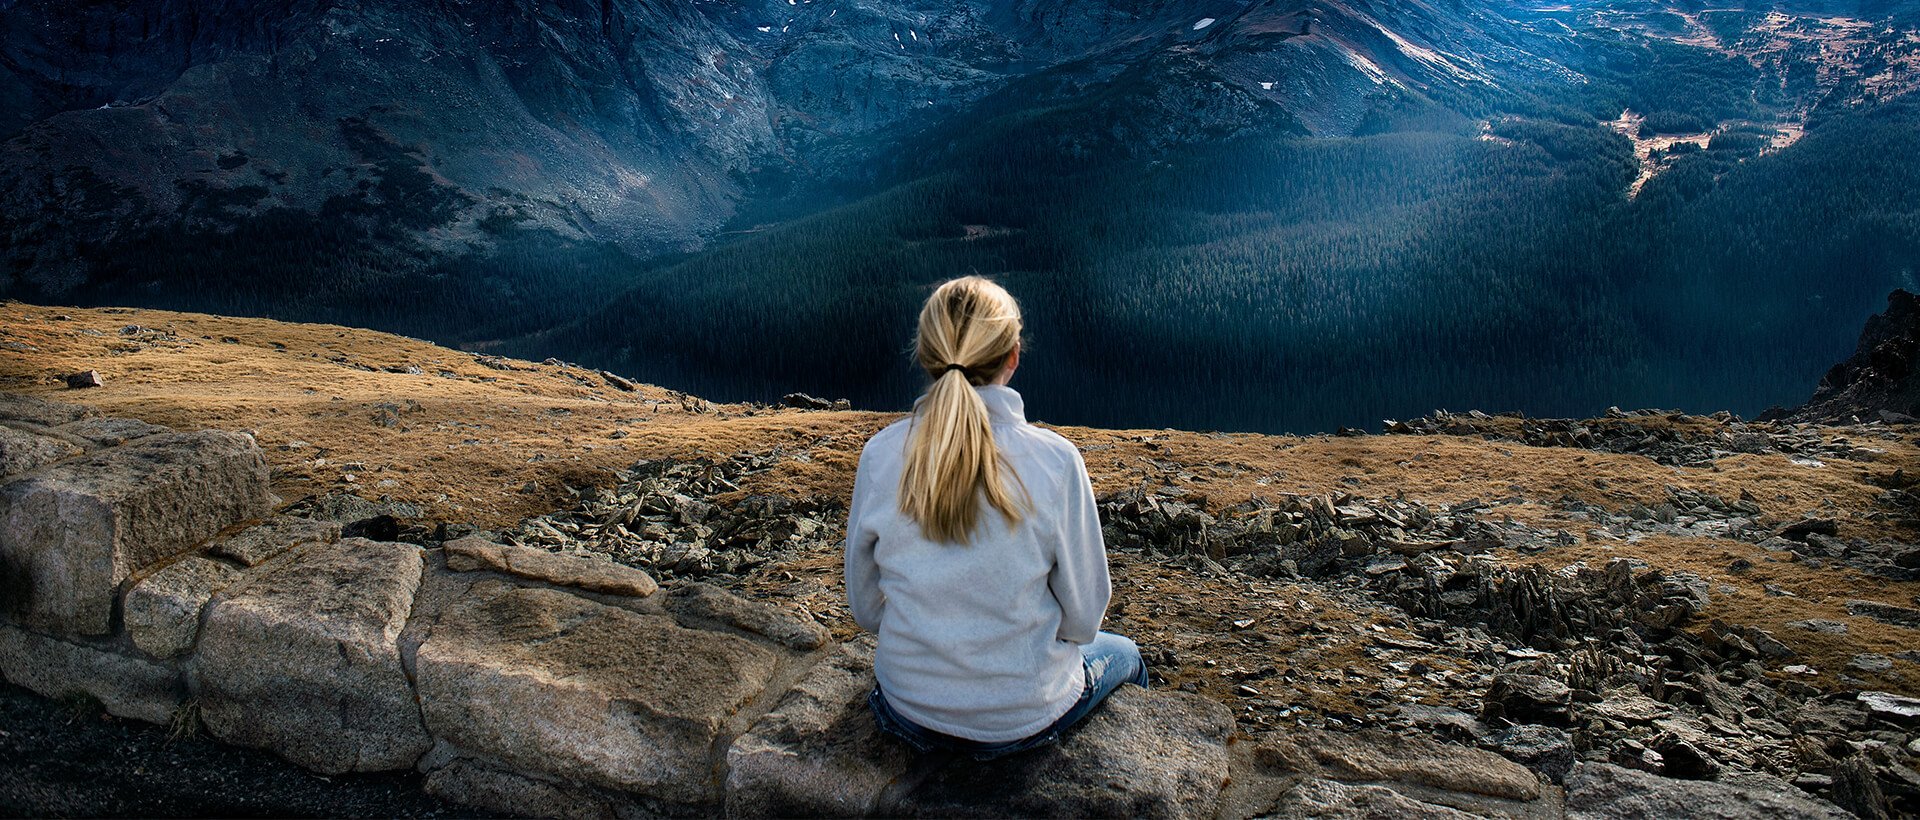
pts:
pixel 1761 273
pixel 1281 284
pixel 1303 284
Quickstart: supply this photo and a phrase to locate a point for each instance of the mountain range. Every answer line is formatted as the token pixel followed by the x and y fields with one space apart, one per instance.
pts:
pixel 1238 215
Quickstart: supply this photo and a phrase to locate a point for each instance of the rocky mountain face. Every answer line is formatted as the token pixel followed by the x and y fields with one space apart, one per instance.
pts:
pixel 442 129
pixel 1876 383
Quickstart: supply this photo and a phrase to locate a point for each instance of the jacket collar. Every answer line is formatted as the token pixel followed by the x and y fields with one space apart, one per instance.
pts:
pixel 1004 405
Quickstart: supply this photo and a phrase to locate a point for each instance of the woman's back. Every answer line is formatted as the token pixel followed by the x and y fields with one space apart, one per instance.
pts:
pixel 973 549
pixel 981 640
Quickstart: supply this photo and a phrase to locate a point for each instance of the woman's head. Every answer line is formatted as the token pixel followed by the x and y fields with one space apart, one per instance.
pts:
pixel 969 335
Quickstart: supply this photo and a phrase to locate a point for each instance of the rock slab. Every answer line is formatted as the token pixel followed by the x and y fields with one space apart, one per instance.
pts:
pixel 301 657
pixel 72 532
pixel 1528 699
pixel 1886 613
pixel 110 432
pixel 22 452
pixel 1601 791
pixel 708 604
pixel 819 752
pixel 1141 754
pixel 1383 756
pixel 1893 708
pixel 254 545
pixel 589 572
pixel 1333 800
pixel 554 685
pixel 471 783
pixel 163 609
pixel 19 407
pixel 125 686
pixel 1545 750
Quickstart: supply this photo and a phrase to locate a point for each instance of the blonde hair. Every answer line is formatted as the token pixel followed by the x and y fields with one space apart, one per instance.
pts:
pixel 969 328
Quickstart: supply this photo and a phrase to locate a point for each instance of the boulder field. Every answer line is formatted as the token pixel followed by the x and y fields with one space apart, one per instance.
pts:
pixel 148 569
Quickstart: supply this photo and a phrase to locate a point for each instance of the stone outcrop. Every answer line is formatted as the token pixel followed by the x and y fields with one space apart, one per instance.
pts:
pixel 1373 773
pixel 1374 756
pixel 1149 754
pixel 1600 791
pixel 20 408
pixel 709 604
pixel 469 782
pixel 254 545
pixel 71 532
pixel 517 679
pixel 1877 383
pixel 21 451
pixel 551 683
pixel 163 609
pixel 1333 800
pixel 107 432
pixel 302 657
pixel 819 752
pixel 586 571
pixel 128 687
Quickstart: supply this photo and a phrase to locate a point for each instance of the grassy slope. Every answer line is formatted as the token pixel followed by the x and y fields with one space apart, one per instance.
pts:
pixel 491 452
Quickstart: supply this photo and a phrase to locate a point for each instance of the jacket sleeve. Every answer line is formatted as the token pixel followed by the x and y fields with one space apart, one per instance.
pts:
pixel 863 575
pixel 1079 580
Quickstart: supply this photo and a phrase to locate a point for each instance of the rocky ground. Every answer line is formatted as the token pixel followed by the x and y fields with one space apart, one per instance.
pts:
pixel 1696 596
pixel 72 760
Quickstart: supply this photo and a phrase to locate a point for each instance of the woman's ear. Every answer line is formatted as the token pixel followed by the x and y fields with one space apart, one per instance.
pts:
pixel 1013 363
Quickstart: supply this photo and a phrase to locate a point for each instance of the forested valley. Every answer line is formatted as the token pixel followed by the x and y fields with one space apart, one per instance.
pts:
pixel 1633 203
pixel 1295 284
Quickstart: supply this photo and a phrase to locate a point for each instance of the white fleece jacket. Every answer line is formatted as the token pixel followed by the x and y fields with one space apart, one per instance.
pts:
pixel 981 640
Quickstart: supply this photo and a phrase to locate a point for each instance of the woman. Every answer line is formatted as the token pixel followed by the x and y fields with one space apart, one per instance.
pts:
pixel 973 549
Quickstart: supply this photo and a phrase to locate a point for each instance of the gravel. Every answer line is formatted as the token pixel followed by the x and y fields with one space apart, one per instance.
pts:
pixel 73 760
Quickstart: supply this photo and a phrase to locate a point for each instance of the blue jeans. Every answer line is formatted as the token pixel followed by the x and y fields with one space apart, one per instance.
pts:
pixel 1109 661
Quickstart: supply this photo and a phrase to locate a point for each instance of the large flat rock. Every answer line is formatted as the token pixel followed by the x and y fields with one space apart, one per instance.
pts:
pixel 1372 773
pixel 593 573
pixel 254 545
pixel 125 686
pixel 708 606
pixel 1601 791
pixel 162 610
pixel 301 657
pixel 819 752
pixel 110 432
pixel 548 683
pixel 22 452
pixel 1371 756
pixel 1333 800
pixel 19 407
pixel 1141 754
pixel 72 532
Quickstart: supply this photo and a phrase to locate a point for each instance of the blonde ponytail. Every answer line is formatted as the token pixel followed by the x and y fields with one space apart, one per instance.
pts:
pixel 969 328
